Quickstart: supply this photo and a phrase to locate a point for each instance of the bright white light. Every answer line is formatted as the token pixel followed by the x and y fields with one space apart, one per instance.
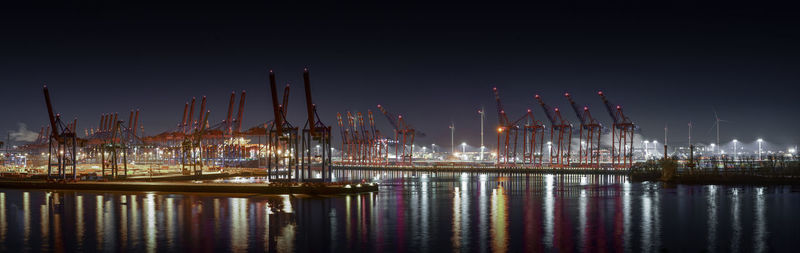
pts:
pixel 760 140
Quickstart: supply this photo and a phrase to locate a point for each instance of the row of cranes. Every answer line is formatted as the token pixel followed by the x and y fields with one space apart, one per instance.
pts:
pixel 361 144
pixel 194 142
pixel 110 143
pixel 364 144
pixel 559 150
pixel 291 154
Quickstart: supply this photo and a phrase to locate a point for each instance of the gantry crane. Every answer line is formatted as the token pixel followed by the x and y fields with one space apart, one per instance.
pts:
pixel 378 142
pixel 504 132
pixel 315 135
pixel 62 144
pixel 404 137
pixel 590 130
pixel 508 131
pixel 346 142
pixel 622 132
pixel 282 138
pixel 560 135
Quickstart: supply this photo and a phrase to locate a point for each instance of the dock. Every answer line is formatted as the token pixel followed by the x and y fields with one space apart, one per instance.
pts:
pixel 273 188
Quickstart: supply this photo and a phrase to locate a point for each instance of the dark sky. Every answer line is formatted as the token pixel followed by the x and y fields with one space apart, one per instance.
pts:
pixel 433 63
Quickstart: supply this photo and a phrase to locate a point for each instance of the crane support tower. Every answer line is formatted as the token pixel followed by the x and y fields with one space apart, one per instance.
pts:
pixel 590 130
pixel 622 133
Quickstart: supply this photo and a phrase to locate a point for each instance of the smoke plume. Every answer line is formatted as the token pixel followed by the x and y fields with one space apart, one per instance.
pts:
pixel 23 134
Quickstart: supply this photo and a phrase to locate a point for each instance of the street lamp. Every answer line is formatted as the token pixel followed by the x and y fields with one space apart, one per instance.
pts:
pixel 759 148
pixel 645 149
pixel 483 114
pixel 735 152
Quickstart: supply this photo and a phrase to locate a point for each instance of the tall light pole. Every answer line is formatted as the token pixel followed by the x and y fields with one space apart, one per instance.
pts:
pixel 645 149
pixel 452 136
pixel 483 114
pixel 735 151
pixel 759 148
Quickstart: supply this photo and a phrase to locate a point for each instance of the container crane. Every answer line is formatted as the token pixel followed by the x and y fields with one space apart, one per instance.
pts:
pixel 62 143
pixel 404 135
pixel 345 133
pixel 504 132
pixel 508 131
pixel 590 130
pixel 315 134
pixel 378 142
pixel 622 133
pixel 560 135
pixel 282 138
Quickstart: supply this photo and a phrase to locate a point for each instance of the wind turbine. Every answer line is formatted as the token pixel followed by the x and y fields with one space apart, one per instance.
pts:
pixel 717 120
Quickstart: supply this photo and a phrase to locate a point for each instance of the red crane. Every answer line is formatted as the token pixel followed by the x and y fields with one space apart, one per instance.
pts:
pixel 590 130
pixel 404 137
pixel 345 133
pixel 508 131
pixel 560 135
pixel 533 140
pixel 378 143
pixel 504 132
pixel 622 132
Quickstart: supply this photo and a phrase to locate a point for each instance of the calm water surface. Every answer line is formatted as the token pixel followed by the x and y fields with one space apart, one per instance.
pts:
pixel 424 213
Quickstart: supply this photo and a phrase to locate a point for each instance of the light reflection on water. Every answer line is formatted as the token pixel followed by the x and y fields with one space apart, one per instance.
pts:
pixel 490 213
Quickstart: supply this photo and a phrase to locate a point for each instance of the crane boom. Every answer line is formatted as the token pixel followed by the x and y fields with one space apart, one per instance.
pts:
pixel 502 119
pixel 547 110
pixel 275 107
pixel 609 107
pixel 390 117
pixel 240 113
pixel 576 109
pixel 50 110
pixel 191 116
pixel 229 118
pixel 309 102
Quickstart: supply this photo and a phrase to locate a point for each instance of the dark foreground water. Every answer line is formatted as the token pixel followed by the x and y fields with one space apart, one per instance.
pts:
pixel 433 213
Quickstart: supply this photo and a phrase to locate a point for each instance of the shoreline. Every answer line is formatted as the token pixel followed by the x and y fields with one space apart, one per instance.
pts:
pixel 275 189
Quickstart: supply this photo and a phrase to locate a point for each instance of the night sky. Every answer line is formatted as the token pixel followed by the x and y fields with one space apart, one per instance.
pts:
pixel 666 64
